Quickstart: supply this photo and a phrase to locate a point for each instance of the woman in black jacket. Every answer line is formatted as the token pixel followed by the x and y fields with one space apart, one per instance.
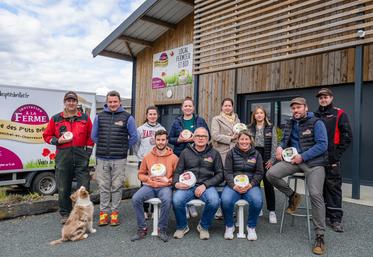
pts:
pixel 243 172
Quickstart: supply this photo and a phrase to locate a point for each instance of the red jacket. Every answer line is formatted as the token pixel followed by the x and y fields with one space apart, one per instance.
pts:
pixel 80 125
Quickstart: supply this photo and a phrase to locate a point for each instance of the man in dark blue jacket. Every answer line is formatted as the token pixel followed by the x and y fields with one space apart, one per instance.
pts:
pixel 114 132
pixel 308 136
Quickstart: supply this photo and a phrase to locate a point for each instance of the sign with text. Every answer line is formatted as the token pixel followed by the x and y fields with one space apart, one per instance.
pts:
pixel 173 67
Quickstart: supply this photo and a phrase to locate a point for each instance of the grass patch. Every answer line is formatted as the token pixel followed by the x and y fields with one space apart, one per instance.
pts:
pixel 6 198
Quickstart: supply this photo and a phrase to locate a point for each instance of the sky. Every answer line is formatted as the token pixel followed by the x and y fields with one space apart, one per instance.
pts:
pixel 49 43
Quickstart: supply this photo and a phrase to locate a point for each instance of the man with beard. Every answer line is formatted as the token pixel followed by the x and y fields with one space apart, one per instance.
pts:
pixel 339 138
pixel 308 136
pixel 155 173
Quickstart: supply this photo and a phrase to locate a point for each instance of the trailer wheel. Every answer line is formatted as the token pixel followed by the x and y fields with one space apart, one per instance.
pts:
pixel 44 184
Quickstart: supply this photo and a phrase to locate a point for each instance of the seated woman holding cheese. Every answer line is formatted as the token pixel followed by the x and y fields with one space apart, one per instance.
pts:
pixel 243 172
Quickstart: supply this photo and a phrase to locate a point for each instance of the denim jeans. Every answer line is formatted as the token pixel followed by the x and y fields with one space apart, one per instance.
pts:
pixel 181 196
pixel 254 197
pixel 147 192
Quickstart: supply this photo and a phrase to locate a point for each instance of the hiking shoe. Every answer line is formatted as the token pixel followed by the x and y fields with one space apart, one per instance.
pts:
pixel 63 219
pixel 294 202
pixel 219 214
pixel 203 233
pixel 319 246
pixel 272 217
pixel 193 211
pixel 114 218
pixel 337 226
pixel 104 219
pixel 251 234
pixel 140 234
pixel 163 236
pixel 228 235
pixel 181 232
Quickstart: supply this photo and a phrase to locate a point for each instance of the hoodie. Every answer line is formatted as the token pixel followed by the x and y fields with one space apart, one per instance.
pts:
pixel 169 159
pixel 145 142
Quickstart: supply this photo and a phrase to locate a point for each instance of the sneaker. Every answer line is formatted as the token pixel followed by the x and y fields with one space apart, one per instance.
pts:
pixel 261 213
pixel 251 234
pixel 337 226
pixel 219 214
pixel 203 233
pixel 294 202
pixel 104 219
pixel 319 246
pixel 193 211
pixel 181 232
pixel 63 219
pixel 228 235
pixel 114 218
pixel 163 236
pixel 140 234
pixel 272 217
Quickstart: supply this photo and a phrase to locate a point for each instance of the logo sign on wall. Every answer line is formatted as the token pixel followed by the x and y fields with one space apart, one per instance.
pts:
pixel 173 67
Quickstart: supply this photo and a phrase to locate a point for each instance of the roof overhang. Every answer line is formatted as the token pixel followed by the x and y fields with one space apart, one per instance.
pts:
pixel 144 26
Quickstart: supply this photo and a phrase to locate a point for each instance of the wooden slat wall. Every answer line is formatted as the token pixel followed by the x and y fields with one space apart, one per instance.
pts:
pixel 240 33
pixel 213 88
pixel 317 70
pixel 145 95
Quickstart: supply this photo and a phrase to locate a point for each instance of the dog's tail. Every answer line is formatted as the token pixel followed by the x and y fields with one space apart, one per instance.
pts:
pixel 58 241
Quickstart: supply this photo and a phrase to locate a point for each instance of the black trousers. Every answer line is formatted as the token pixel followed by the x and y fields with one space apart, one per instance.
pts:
pixel 269 190
pixel 333 192
pixel 70 162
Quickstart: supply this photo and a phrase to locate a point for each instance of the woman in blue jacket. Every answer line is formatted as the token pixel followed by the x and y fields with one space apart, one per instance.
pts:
pixel 188 121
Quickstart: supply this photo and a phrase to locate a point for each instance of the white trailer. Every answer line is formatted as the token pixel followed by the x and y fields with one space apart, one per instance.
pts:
pixel 25 159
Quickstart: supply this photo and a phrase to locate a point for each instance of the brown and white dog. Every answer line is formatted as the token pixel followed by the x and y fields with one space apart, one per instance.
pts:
pixel 80 220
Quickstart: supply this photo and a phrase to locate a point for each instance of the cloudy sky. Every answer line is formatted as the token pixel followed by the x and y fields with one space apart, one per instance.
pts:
pixel 48 43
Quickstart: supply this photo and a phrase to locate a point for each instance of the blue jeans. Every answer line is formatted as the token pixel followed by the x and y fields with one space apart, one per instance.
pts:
pixel 254 197
pixel 147 192
pixel 181 196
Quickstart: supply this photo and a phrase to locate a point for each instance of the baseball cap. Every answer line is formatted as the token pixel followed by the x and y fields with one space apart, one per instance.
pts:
pixel 298 100
pixel 70 95
pixel 324 91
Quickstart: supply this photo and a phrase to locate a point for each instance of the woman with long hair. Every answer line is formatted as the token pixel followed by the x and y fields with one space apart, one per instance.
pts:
pixel 265 141
pixel 243 172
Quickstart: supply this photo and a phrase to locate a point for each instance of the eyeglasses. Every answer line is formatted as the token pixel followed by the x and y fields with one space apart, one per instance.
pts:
pixel 201 136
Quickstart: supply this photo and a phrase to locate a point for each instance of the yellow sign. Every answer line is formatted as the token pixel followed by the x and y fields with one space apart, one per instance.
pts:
pixel 22 132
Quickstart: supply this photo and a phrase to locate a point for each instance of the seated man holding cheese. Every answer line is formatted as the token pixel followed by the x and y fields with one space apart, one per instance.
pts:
pixel 307 137
pixel 243 172
pixel 155 173
pixel 199 170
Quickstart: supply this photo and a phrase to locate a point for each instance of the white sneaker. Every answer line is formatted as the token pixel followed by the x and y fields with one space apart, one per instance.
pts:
pixel 228 235
pixel 251 234
pixel 272 217
pixel 193 211
pixel 261 213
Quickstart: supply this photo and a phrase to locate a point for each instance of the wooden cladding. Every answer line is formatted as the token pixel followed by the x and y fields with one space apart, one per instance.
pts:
pixel 239 33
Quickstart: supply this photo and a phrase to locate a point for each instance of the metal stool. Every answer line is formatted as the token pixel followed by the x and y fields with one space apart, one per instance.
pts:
pixel 241 223
pixel 155 202
pixel 295 177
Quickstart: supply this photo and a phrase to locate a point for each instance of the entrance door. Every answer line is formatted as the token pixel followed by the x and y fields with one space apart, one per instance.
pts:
pixel 167 115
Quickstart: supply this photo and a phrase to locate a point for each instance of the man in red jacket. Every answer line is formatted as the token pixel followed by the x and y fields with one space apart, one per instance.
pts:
pixel 70 132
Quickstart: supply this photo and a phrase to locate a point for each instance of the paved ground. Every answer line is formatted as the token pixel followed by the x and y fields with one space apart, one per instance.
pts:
pixel 31 235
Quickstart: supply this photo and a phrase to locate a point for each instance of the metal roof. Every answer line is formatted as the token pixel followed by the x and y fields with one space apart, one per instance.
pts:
pixel 145 25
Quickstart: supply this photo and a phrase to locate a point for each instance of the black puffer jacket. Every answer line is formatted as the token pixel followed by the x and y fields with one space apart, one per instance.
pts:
pixel 248 163
pixel 206 166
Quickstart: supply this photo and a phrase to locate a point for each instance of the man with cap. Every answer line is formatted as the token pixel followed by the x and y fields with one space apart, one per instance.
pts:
pixel 114 132
pixel 307 134
pixel 339 138
pixel 70 132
